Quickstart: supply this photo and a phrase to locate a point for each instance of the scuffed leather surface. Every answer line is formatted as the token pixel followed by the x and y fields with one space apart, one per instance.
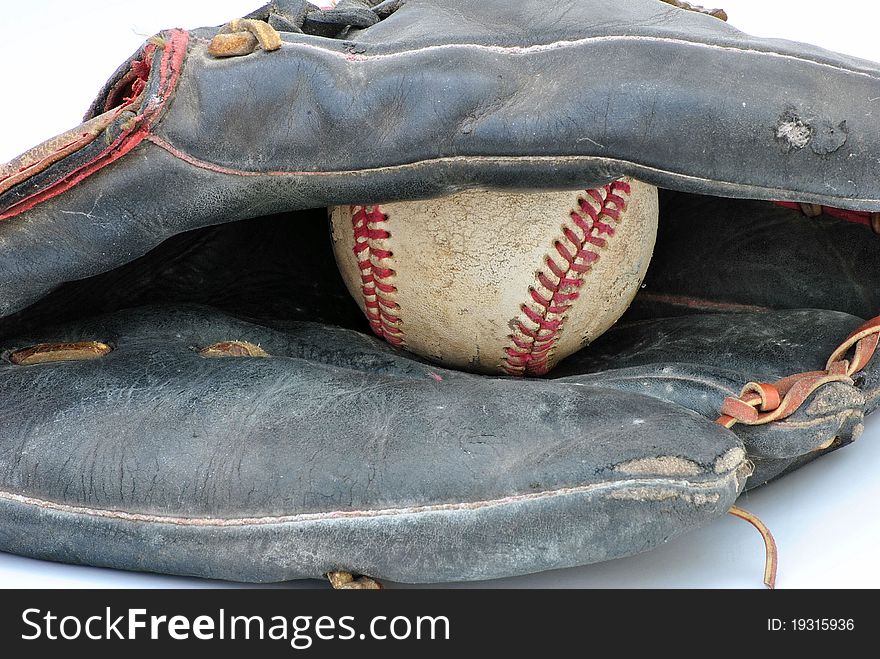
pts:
pixel 339 452
pixel 347 121
pixel 337 420
pixel 696 361
pixel 154 428
pixel 641 87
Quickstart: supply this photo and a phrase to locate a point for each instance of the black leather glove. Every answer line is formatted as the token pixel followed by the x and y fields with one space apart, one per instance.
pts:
pixel 187 388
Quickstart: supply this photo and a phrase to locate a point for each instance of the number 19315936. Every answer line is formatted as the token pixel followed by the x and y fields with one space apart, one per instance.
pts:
pixel 810 624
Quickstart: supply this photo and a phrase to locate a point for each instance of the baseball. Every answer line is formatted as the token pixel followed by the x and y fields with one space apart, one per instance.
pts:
pixel 498 282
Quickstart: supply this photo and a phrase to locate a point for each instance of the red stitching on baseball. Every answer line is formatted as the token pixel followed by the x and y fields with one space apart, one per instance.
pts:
pixel 537 330
pixel 372 259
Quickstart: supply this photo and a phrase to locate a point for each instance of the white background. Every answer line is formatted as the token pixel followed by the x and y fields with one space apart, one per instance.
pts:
pixel 56 54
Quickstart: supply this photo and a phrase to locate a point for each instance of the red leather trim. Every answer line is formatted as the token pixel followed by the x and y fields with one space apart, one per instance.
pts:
pixel 857 217
pixel 170 66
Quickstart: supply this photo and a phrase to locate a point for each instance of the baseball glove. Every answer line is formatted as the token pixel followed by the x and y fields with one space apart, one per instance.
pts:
pixel 186 386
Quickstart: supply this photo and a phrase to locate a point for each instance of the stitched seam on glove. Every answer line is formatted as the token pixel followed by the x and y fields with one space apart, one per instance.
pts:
pixel 636 170
pixel 636 488
pixel 557 45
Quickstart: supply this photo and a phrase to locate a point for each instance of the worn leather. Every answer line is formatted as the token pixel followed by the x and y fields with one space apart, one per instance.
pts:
pixel 338 452
pixel 318 458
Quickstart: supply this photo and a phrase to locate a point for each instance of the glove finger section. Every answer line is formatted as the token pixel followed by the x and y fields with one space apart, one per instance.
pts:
pixel 182 148
pixel 698 361
pixel 268 468
pixel 649 105
pixel 832 417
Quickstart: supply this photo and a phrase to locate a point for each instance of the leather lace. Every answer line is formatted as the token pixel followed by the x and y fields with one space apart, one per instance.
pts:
pixel 262 28
pixel 760 402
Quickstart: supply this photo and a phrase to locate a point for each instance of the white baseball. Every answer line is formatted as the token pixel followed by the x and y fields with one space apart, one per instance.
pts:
pixel 498 282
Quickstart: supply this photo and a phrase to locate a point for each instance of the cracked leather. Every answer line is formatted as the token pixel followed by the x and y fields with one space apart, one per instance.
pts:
pixel 186 223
